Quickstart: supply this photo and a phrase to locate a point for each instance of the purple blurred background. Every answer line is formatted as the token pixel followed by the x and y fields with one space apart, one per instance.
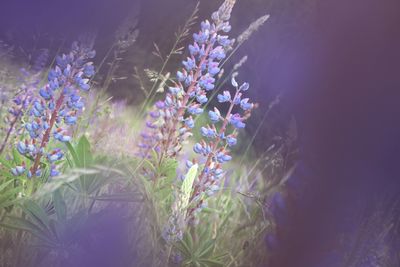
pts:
pixel 336 62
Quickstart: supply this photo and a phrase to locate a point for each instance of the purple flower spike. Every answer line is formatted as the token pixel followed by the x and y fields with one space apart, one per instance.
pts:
pixel 56 108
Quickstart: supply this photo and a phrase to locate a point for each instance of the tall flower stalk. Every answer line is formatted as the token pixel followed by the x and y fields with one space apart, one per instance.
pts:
pixel 56 110
pixel 214 149
pixel 172 119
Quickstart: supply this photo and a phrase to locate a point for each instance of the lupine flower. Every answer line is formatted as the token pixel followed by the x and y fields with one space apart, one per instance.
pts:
pixel 225 97
pixel 21 102
pixel 56 109
pixel 189 122
pixel 201 98
pixel 237 121
pixel 214 115
pixel 150 137
pixel 208 132
pixel 215 146
pixel 231 141
pixel 198 148
pixel 195 109
pixel 245 105
pixel 193 82
pixel 18 170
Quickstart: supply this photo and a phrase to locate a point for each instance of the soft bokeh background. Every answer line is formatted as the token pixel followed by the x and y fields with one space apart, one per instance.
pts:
pixel 335 62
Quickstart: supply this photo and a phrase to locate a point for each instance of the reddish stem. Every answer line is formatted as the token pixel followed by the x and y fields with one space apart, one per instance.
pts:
pixel 186 98
pixel 46 136
pixel 214 146
pixel 3 145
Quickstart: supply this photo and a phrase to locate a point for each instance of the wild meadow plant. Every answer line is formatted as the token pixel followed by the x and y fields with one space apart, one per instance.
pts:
pixel 173 119
pixel 169 125
pixel 23 98
pixel 57 108
pixel 183 193
pixel 22 101
pixel 214 152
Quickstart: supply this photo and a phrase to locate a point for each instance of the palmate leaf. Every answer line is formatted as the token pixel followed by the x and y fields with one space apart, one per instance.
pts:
pixel 66 179
pixel 83 158
pixel 185 246
pixel 83 153
pixel 59 206
pixel 36 213
pixel 199 253
pixel 100 177
pixel 16 223
pixel 206 249
pixel 38 223
pixel 8 198
pixel 211 263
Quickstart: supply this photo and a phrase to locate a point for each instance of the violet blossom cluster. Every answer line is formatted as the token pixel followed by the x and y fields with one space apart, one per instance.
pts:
pixel 56 109
pixel 21 102
pixel 219 137
pixel 25 96
pixel 214 150
pixel 171 120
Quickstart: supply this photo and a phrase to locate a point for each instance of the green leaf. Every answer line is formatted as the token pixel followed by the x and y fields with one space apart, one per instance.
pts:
pixel 168 168
pixel 59 206
pixel 36 213
pixel 211 210
pixel 72 151
pixel 206 249
pixel 7 198
pixel 148 165
pixel 188 239
pixel 185 246
pixel 17 157
pixel 187 185
pixel 83 153
pixel 25 225
pixel 220 257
